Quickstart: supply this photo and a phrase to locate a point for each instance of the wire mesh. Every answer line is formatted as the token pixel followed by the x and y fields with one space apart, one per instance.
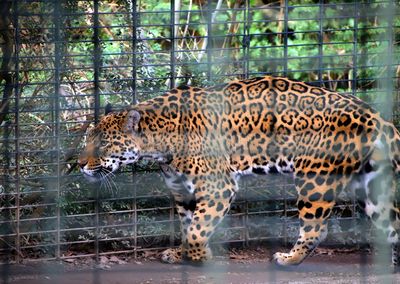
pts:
pixel 62 61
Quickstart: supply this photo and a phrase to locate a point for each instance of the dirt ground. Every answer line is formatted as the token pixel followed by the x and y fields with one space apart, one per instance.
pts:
pixel 239 266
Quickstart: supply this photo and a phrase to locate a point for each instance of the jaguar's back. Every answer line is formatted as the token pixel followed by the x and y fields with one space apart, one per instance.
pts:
pixel 268 123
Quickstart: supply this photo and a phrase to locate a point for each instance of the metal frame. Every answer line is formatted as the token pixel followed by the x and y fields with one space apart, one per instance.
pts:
pixel 40 186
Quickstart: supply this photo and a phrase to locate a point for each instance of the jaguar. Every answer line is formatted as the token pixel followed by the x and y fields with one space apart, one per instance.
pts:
pixel 205 139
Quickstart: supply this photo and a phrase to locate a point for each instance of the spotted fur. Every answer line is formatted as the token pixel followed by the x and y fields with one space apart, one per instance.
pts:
pixel 207 138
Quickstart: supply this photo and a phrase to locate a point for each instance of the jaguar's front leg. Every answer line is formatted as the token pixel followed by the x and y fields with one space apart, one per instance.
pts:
pixel 214 194
pixel 183 193
pixel 185 212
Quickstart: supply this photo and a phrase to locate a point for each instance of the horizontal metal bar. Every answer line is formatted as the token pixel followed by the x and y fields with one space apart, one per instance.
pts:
pixel 199 50
pixel 185 63
pixel 129 39
pixel 239 9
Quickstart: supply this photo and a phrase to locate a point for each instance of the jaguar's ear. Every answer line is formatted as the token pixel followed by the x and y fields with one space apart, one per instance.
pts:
pixel 108 109
pixel 132 120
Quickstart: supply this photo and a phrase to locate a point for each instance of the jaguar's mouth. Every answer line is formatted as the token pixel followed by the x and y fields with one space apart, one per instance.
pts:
pixel 93 178
pixel 98 174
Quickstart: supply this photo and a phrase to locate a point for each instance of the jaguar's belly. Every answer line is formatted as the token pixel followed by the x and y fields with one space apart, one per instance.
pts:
pixel 282 166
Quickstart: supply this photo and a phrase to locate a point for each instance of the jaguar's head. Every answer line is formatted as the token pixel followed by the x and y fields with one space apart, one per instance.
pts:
pixel 113 142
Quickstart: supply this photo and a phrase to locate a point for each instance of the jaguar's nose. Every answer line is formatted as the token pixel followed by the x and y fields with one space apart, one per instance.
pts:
pixel 82 163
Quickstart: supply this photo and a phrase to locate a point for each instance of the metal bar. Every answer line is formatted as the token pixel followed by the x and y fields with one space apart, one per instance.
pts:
pixel 355 51
pixel 17 134
pixel 387 81
pixel 8 14
pixel 321 41
pixel 209 39
pixel 204 23
pixel 246 39
pixel 173 41
pixel 134 25
pixel 285 36
pixel 353 82
pixel 256 8
pixel 191 63
pixel 56 114
pixel 97 63
pixel 96 60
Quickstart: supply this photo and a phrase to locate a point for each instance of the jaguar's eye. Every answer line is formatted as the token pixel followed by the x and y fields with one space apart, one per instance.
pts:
pixel 103 143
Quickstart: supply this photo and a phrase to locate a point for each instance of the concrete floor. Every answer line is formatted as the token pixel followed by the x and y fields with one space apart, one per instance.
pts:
pixel 341 268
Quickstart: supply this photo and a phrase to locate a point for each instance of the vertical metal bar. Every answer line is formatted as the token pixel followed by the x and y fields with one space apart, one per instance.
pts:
pixel 285 73
pixel 387 80
pixel 285 210
pixel 97 59
pixel 5 269
pixel 355 50
pixel 56 112
pixel 173 31
pixel 17 133
pixel 246 45
pixel 385 86
pixel 6 130
pixel 172 220
pixel 363 256
pixel 97 63
pixel 8 12
pixel 135 218
pixel 172 78
pixel 134 22
pixel 209 40
pixel 246 39
pixel 285 37
pixel 246 223
pixel 320 42
pixel 358 14
pixel 354 87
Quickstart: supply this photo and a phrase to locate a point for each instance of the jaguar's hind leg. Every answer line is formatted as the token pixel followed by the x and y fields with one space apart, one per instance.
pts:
pixel 316 199
pixel 376 195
